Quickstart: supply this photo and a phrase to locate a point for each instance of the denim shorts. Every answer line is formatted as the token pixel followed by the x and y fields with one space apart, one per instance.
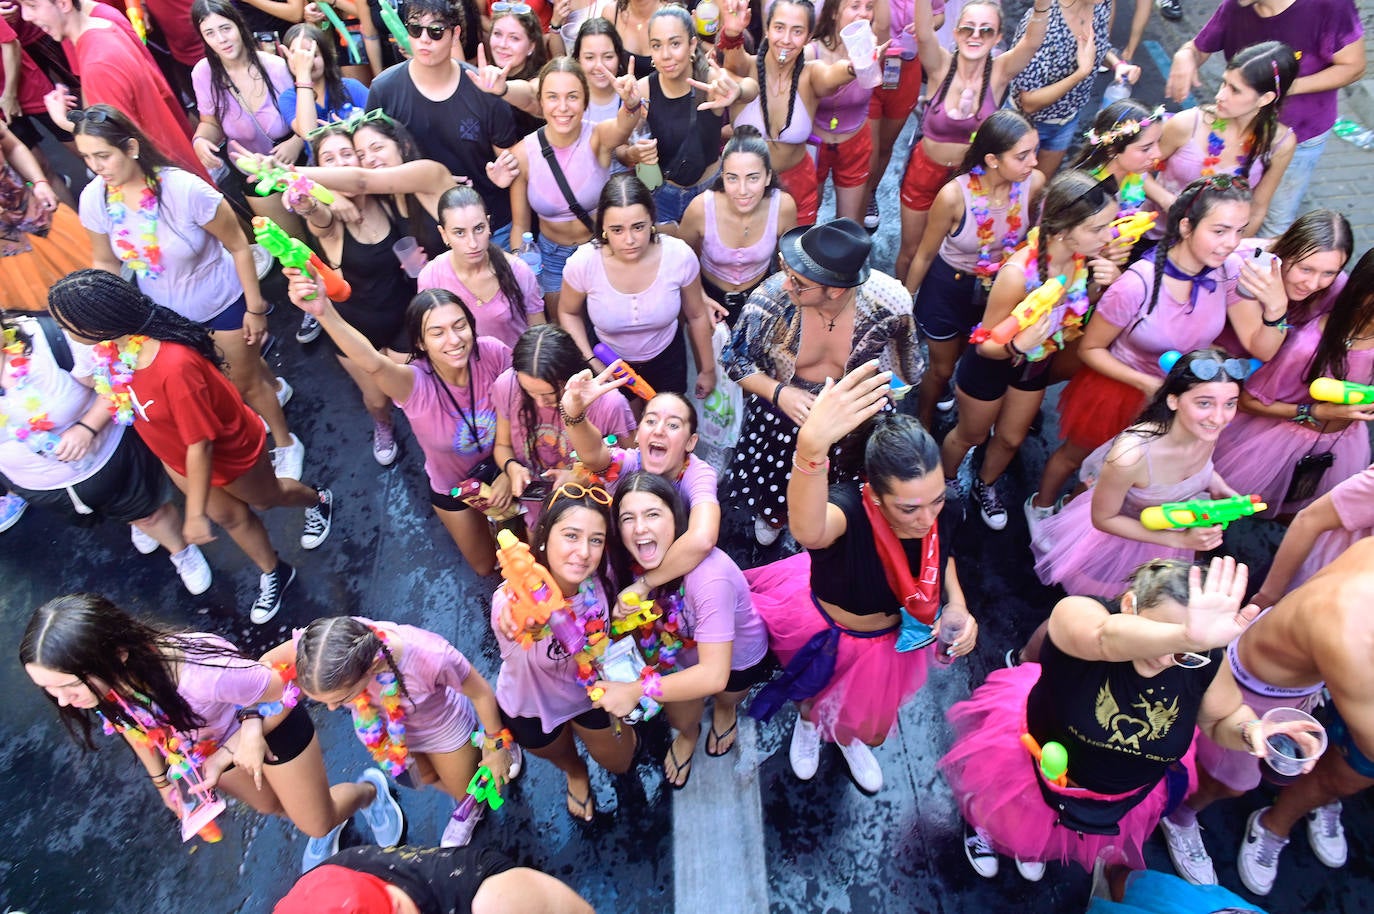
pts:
pixel 1057 137
pixel 670 200
pixel 555 256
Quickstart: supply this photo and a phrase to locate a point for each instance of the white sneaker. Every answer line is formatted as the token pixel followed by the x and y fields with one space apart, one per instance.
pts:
pixel 318 850
pixel 1188 853
pixel 271 585
pixel 144 543
pixel 871 216
pixel 863 764
pixel 384 443
pixel 1030 870
pixel 262 260
pixel 1326 835
pixel 284 392
pixel 1258 860
pixel 945 404
pixel 766 533
pixel 289 462
pixel 383 814
pixel 978 850
pixel 805 751
pixel 990 506
pixel 458 832
pixel 193 569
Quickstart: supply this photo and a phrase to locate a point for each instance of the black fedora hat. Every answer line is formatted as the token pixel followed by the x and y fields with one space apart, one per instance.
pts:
pixel 834 254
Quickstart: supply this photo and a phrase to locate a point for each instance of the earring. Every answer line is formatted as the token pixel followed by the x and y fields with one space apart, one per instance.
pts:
pixel 604 239
pixel 134 156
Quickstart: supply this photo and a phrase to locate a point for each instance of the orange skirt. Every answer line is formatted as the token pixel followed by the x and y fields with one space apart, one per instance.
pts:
pixel 25 278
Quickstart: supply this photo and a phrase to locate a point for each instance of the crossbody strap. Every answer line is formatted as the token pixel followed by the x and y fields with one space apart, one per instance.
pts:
pixel 576 208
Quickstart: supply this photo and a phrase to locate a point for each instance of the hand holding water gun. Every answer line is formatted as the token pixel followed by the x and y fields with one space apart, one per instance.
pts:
pixel 1200 512
pixel 1347 393
pixel 621 369
pixel 477 494
pixel 292 252
pixel 1053 759
pixel 275 178
pixel 1132 228
pixel 642 614
pixel 1035 306
pixel 392 20
pixel 533 594
pixel 481 789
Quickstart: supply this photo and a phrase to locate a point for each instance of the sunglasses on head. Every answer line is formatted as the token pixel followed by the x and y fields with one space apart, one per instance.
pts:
pixel 435 31
pixel 358 119
pixel 503 6
pixel 577 492
pixel 90 117
pixel 1207 369
pixel 982 31
pixel 1191 661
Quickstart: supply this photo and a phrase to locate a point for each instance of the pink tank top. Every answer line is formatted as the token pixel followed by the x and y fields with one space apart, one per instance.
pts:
pixel 939 126
pixel 584 172
pixel 738 266
pixel 960 250
pixel 797 131
pixel 1184 167
pixel 845 111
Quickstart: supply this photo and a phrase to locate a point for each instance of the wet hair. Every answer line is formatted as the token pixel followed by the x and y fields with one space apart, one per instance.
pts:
pixel 1071 198
pixel 1096 155
pixel 88 636
pixel 761 59
pixel 600 25
pixel 221 86
pixel 897 448
pixel 461 197
pixel 1159 580
pixel 419 308
pixel 1352 312
pixel 1270 66
pixel 683 399
pixel 453 15
pixel 97 305
pixel 545 352
pixel 996 136
pixel 622 559
pixel 338 653
pixel 1157 417
pixel 539 54
pixel 747 141
pixel 701 65
pixel 571 66
pixel 335 95
pixel 1193 203
pixel 623 189
pixel 555 506
pixel 1315 232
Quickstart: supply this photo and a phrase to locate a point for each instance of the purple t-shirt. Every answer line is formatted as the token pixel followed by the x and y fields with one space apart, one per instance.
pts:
pixel 494 317
pixel 696 485
pixel 610 413
pixel 455 441
pixel 637 326
pixel 198 280
pixel 1316 28
pixel 719 609
pixel 216 687
pixel 541 681
pixel 1172 324
pixel 256 132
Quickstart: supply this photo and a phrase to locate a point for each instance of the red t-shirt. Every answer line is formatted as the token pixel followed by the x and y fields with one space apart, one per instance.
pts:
pixel 185 400
pixel 173 18
pixel 116 70
pixel 33 82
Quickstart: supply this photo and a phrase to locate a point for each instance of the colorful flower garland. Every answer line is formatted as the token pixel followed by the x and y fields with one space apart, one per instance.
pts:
pixel 1215 146
pixel 1069 314
pixel 146 264
pixel 113 375
pixel 986 269
pixel 37 430
pixel 183 756
pixel 1130 191
pixel 385 741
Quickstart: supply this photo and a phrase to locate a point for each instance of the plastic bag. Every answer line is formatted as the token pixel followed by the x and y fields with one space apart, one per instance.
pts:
pixel 722 413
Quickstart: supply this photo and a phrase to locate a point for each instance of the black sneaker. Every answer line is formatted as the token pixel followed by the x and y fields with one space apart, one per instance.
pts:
pixel 318 520
pixel 271 586
pixel 990 506
pixel 310 329
pixel 1170 9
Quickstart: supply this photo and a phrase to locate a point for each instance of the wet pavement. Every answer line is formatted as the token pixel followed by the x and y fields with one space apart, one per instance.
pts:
pixel 86 833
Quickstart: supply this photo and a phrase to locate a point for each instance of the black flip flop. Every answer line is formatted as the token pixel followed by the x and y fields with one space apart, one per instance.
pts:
pixel 717 737
pixel 679 766
pixel 586 805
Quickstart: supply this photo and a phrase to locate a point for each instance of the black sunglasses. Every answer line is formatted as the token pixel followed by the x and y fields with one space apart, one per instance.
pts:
pixel 91 117
pixel 436 32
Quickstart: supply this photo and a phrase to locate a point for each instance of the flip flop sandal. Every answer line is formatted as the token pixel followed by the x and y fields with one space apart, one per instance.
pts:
pixel 586 805
pixel 678 768
pixel 718 738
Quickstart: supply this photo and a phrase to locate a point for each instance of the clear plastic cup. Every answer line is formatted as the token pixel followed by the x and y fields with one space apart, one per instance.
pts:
pixel 953 624
pixel 412 257
pixel 1289 752
pixel 862 49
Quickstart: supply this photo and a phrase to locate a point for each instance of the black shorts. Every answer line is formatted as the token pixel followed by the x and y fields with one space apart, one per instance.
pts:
pixel 529 731
pixel 130 486
pixel 949 303
pixel 291 736
pixel 988 379
pixel 24 128
pixel 732 302
pixel 666 371
pixel 743 680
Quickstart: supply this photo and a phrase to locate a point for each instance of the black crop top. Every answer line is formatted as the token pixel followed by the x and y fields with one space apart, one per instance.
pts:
pixel 688 139
pixel 848 573
pixel 1121 729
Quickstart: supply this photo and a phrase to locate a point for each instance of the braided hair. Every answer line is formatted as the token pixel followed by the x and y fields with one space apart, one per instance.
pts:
pixel 547 353
pixel 1193 203
pixel 943 91
pixel 1352 312
pixel 461 197
pixel 97 305
pixel 761 59
pixel 1071 198
pixel 338 653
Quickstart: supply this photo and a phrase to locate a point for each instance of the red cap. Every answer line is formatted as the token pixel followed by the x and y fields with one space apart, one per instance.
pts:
pixel 331 889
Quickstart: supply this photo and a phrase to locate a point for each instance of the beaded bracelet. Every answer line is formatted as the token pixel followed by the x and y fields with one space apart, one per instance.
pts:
pixel 569 421
pixel 501 740
pixel 651 684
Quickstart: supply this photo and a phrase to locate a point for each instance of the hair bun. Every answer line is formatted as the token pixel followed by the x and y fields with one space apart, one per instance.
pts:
pixel 747 132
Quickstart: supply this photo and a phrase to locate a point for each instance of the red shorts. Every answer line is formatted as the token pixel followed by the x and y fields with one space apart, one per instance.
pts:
pixel 897 104
pixel 849 160
pixel 800 182
pixel 923 179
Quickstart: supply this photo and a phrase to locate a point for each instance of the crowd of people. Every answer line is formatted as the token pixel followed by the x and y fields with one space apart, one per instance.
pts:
pixel 517 224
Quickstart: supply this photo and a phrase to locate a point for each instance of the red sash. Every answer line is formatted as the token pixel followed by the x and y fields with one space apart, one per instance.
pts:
pixel 921 600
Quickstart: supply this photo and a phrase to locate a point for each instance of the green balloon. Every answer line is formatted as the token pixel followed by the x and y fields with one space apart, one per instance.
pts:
pixel 1054 760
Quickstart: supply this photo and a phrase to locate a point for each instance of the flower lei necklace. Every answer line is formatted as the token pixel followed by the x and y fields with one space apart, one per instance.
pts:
pixel 148 263
pixel 662 640
pixel 986 269
pixel 149 728
pixel 114 374
pixel 385 740
pixel 1074 306
pixel 1130 191
pixel 1215 145
pixel 37 430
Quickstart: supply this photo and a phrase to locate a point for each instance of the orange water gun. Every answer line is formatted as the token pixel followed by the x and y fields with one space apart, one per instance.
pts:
pixel 621 369
pixel 1035 306
pixel 534 596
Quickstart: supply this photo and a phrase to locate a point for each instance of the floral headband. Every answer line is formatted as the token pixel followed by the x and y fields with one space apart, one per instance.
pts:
pixel 1126 128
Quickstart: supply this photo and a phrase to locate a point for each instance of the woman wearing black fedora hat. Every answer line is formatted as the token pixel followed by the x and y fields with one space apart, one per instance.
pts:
pixel 822 316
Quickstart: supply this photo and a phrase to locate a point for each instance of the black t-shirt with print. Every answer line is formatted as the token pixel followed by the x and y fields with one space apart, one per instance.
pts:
pixel 440 880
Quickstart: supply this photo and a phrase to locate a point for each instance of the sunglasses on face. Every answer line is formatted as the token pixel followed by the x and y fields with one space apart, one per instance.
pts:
pixel 982 31
pixel 1206 369
pixel 577 492
pixel 1190 661
pixel 434 31
pixel 90 117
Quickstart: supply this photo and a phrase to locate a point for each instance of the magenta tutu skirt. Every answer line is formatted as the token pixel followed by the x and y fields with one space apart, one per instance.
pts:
pixel 1256 455
pixel 871 680
pixel 1084 560
pixel 993 778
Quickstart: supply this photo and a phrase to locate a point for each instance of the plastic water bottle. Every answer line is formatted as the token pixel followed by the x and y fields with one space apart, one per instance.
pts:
pixel 1118 90
pixel 707 19
pixel 529 252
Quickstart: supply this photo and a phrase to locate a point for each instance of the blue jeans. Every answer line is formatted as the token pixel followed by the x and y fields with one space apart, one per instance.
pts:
pixel 554 256
pixel 1057 137
pixel 1284 205
pixel 501 237
pixel 670 201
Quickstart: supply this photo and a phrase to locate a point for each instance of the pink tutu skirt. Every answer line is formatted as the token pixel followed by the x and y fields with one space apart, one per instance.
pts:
pixel 1256 456
pixel 993 778
pixel 871 680
pixel 1086 561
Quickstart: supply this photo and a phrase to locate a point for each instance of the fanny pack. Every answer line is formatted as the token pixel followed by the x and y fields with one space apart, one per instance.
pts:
pixel 1098 816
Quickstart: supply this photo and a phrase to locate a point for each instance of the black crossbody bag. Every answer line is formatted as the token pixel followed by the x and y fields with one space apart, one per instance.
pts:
pixel 576 208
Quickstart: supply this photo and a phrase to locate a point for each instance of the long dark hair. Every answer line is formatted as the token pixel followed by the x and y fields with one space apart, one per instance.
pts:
pixel 394 130
pixel 1114 121
pixel 624 189
pixel 461 197
pixel 220 83
pixel 997 135
pixel 1351 314
pixel 539 54
pixel 1157 418
pixel 1071 198
pixel 748 141
pixel 548 353
pixel 88 636
pixel 1193 203
pixel 1270 66
pixel 600 25
pixel 335 95
pixel 338 652
pixel 1311 233
pixel 114 127
pixel 97 305
pixel 761 59
pixel 555 506
pixel 419 308
pixel 622 563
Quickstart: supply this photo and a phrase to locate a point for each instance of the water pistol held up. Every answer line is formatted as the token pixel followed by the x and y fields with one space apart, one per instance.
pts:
pixel 1133 227
pixel 1200 512
pixel 278 179
pixel 1348 393
pixel 621 369
pixel 1053 759
pixel 642 616
pixel 1035 306
pixel 138 18
pixel 292 252
pixel 533 594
